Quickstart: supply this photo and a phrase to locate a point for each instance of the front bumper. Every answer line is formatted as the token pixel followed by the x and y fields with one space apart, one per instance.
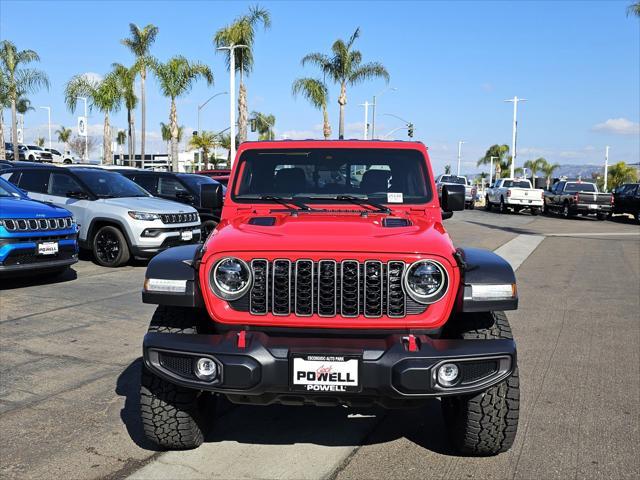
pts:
pixel 392 369
pixel 148 246
pixel 19 256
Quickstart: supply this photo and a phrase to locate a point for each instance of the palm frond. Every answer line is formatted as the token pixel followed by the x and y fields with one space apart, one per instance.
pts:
pixel 312 89
pixel 368 71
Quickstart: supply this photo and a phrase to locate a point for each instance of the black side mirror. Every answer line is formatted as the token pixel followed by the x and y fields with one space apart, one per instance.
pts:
pixel 452 198
pixel 78 194
pixel 211 196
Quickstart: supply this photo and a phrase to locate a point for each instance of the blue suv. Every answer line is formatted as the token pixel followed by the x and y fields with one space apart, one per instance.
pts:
pixel 34 236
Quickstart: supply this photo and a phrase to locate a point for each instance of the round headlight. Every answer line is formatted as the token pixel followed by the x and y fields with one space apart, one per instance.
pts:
pixel 230 278
pixel 426 281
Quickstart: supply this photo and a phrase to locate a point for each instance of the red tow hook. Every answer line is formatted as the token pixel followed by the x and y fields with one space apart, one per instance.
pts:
pixel 242 339
pixel 412 343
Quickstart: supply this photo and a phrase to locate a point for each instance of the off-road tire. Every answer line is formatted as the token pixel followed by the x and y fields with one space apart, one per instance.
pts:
pixel 485 423
pixel 207 227
pixel 535 212
pixel 174 417
pixel 503 206
pixel 487 204
pixel 109 259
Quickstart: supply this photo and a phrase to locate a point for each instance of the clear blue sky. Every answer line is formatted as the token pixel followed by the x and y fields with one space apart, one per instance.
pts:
pixel 453 64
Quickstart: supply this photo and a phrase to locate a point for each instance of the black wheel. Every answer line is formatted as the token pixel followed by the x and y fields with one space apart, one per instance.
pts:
pixel 484 423
pixel 566 212
pixel 110 247
pixel 207 227
pixel 487 203
pixel 174 417
pixel 472 205
pixel 67 162
pixel 535 212
pixel 601 216
pixel 637 216
pixel 503 206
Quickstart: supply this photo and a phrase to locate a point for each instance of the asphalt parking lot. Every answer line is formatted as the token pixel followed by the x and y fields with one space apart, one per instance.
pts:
pixel 70 361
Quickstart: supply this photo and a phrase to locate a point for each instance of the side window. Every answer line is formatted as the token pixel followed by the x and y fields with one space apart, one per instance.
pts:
pixel 170 186
pixel 148 182
pixel 62 183
pixel 36 181
pixel 559 187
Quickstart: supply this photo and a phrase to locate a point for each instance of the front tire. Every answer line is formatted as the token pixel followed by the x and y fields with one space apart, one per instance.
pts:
pixel 487 204
pixel 566 212
pixel 110 247
pixel 503 206
pixel 484 423
pixel 174 417
pixel 207 227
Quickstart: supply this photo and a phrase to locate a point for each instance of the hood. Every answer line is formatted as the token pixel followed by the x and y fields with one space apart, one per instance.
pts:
pixel 332 232
pixel 25 208
pixel 149 205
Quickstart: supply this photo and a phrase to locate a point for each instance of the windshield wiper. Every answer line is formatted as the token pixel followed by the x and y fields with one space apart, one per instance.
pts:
pixel 285 201
pixel 361 200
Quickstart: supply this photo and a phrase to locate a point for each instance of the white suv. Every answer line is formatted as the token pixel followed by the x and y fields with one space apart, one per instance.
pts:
pixel 59 157
pixel 117 218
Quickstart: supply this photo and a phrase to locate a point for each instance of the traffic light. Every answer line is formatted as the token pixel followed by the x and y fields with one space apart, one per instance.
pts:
pixel 410 130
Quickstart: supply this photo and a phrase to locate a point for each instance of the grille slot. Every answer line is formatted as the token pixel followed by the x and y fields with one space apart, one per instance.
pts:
pixel 328 288
pixel 35 224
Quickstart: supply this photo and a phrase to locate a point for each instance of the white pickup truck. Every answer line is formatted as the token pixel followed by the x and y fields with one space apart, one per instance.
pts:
pixel 516 194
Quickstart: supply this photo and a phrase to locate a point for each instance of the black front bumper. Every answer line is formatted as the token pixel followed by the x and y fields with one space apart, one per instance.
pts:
pixel 391 371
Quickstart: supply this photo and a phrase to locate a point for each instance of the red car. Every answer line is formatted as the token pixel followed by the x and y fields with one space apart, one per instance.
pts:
pixel 220 175
pixel 331 280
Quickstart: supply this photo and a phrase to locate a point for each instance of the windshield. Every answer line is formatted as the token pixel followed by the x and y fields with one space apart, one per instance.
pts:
pixel 453 179
pixel 517 184
pixel 580 187
pixel 322 175
pixel 104 184
pixel 8 190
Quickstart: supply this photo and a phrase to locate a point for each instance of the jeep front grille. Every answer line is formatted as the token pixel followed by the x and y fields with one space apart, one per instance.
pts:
pixel 178 217
pixel 37 224
pixel 328 288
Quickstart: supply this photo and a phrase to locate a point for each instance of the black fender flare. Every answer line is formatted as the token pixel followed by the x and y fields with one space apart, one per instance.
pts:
pixel 481 267
pixel 177 263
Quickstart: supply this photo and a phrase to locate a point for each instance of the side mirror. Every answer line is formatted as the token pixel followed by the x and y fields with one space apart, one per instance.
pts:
pixel 452 198
pixel 78 194
pixel 211 196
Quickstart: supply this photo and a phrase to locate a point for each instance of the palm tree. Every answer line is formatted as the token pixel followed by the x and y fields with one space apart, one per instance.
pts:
pixel 18 80
pixel 501 163
pixel 121 139
pixel 105 95
pixel 447 169
pixel 634 9
pixel 621 173
pixel 242 32
pixel 344 67
pixel 126 81
pixel 535 166
pixel 40 141
pixel 205 141
pixel 264 125
pixel 23 105
pixel 140 43
pixel 176 78
pixel 165 132
pixel 317 93
pixel 547 169
pixel 64 134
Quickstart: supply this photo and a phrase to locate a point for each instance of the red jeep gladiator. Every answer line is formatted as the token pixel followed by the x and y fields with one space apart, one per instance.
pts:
pixel 331 280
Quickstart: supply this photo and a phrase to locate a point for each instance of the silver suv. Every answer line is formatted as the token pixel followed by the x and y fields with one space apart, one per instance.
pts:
pixel 117 218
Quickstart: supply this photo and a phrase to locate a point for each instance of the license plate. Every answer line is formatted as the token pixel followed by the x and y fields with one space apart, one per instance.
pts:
pixel 48 248
pixel 593 207
pixel 186 235
pixel 325 373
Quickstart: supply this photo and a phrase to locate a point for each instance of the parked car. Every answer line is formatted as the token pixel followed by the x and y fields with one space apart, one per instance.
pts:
pixel 331 294
pixel 626 199
pixel 569 198
pixel 34 153
pixel 7 164
pixel 469 190
pixel 64 158
pixel 34 237
pixel 8 151
pixel 180 187
pixel 117 218
pixel 514 194
pixel 219 175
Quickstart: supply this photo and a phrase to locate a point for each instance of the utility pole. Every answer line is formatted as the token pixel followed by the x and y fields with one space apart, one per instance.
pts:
pixel 48 109
pixel 459 154
pixel 232 99
pixel 366 119
pixel 606 166
pixel 515 101
pixel 373 110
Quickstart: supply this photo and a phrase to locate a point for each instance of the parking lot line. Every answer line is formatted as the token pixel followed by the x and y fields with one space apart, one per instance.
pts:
pixel 516 251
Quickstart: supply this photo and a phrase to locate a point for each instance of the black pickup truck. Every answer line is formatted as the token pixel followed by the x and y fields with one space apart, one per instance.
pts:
pixel 626 199
pixel 568 198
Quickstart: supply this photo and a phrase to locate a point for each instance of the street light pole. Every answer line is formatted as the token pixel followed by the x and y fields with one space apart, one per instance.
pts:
pixel 606 166
pixel 373 110
pixel 232 99
pixel 200 107
pixel 48 109
pixel 459 154
pixel 515 101
pixel 366 119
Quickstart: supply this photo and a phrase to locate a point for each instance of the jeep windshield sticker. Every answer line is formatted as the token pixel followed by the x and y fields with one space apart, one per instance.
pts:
pixel 325 373
pixel 394 197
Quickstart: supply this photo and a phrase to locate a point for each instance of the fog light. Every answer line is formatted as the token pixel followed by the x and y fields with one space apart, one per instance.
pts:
pixel 206 369
pixel 448 374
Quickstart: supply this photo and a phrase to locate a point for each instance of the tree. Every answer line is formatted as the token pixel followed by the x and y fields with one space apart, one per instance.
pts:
pixel 77 144
pixel 547 169
pixel 64 134
pixel 121 139
pixel 18 80
pixel 344 67
pixel 501 164
pixel 264 125
pixel 176 78
pixel 205 141
pixel 535 166
pixel 126 78
pixel 447 169
pixel 621 173
pixel 634 9
pixel 139 43
pixel 242 32
pixel 165 132
pixel 40 141
pixel 105 95
pixel 317 93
